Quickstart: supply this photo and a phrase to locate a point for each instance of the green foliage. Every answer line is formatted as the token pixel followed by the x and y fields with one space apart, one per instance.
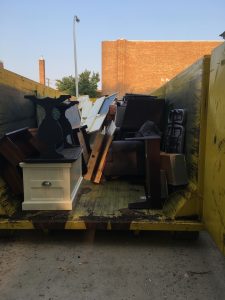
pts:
pixel 88 84
pixel 67 85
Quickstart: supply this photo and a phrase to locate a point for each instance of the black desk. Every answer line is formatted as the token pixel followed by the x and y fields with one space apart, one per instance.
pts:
pixel 152 173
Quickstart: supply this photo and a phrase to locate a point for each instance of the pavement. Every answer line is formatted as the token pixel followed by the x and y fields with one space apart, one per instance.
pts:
pixel 99 265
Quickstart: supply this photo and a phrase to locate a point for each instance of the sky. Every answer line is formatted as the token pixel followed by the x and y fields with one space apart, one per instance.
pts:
pixel 30 29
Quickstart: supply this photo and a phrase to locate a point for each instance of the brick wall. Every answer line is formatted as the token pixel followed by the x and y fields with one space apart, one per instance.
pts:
pixel 142 66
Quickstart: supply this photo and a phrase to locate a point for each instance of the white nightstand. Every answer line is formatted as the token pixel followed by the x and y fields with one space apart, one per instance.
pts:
pixel 51 186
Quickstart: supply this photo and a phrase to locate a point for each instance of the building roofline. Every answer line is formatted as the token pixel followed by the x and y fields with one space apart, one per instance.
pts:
pixel 168 41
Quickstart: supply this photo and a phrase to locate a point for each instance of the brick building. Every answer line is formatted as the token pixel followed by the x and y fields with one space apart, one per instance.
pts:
pixel 142 66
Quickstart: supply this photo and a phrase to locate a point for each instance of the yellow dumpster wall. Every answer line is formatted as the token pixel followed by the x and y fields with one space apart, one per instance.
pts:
pixel 17 112
pixel 23 84
pixel 214 187
pixel 189 90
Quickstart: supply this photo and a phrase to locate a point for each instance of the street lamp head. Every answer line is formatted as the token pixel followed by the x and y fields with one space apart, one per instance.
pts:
pixel 76 19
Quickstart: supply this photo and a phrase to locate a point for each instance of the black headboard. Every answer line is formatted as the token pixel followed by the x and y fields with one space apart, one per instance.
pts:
pixel 141 108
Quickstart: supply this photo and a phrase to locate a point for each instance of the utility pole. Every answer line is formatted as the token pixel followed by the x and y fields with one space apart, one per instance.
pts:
pixel 75 20
pixel 48 81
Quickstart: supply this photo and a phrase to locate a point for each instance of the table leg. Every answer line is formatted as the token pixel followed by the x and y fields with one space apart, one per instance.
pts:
pixel 152 176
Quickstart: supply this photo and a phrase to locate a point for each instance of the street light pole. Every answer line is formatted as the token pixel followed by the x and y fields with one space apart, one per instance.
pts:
pixel 75 20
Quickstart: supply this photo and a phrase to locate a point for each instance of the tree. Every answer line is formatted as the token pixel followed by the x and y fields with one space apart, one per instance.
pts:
pixel 88 84
pixel 67 85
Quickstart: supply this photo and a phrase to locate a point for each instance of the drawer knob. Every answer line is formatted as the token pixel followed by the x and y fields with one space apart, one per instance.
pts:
pixel 46 183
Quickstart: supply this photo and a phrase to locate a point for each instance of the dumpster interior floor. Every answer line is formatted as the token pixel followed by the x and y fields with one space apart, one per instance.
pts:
pixel 99 203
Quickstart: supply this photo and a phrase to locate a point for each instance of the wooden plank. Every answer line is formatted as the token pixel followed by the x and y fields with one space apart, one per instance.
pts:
pixel 93 113
pixel 90 110
pixel 101 165
pixel 85 111
pixel 96 107
pixel 83 145
pixel 94 155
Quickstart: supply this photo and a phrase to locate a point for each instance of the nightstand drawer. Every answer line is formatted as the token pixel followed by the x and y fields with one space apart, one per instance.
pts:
pixel 47 184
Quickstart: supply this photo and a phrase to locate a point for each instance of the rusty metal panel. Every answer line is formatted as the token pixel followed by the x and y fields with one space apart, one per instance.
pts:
pixel 214 187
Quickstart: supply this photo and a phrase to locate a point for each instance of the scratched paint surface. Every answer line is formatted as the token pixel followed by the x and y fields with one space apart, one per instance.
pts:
pixel 214 188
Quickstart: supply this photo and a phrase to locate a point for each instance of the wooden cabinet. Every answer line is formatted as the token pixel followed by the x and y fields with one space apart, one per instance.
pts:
pixel 51 186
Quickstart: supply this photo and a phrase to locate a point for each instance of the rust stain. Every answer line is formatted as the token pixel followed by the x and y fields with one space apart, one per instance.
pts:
pixel 221 144
pixel 218 209
pixel 85 190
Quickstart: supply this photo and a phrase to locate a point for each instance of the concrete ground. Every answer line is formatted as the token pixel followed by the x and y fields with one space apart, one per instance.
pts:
pixel 109 265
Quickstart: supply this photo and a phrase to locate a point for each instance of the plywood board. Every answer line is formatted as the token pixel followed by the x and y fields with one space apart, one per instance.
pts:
pixel 97 124
pixel 83 145
pixel 85 107
pixel 89 121
pixel 97 106
pixel 107 102
pixel 82 101
pixel 93 113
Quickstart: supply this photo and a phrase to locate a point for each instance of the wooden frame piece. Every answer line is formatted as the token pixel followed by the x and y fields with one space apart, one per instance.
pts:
pixel 109 138
pixel 94 155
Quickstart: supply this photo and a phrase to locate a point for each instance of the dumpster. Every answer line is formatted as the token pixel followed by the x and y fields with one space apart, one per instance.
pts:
pixel 197 206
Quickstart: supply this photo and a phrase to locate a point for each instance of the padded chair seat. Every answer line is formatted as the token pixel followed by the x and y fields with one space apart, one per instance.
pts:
pixel 125 158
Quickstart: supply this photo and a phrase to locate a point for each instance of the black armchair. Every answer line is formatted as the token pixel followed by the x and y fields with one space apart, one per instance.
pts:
pixel 127 157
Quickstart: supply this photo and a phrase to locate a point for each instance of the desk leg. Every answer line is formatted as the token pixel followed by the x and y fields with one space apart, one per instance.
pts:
pixel 152 176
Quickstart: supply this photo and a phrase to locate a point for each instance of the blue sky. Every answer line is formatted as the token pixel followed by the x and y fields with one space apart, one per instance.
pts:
pixel 29 29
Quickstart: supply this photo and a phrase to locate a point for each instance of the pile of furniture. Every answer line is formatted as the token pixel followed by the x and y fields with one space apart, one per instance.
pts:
pixel 46 164
pixel 49 157
pixel 143 144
